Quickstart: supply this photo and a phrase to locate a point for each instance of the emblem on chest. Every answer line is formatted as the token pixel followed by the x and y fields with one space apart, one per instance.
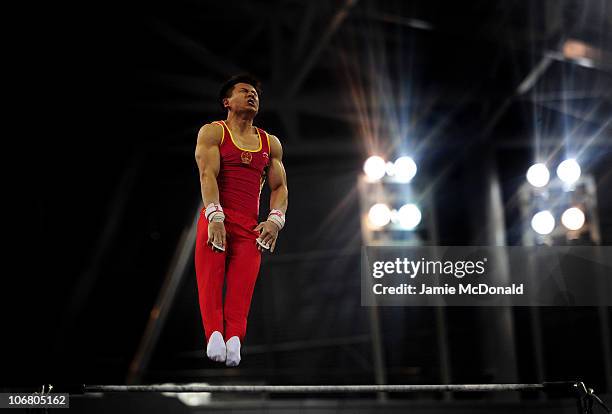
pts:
pixel 246 157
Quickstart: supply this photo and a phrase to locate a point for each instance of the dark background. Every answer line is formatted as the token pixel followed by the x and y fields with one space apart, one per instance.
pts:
pixel 112 95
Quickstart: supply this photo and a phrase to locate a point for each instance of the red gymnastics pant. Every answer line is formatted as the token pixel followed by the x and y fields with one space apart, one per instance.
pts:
pixel 238 267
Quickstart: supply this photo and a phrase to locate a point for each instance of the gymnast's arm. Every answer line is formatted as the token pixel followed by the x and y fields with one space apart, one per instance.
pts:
pixel 277 178
pixel 208 158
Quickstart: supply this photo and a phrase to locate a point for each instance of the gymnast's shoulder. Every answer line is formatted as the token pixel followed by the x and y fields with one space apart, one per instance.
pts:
pixel 210 134
pixel 275 146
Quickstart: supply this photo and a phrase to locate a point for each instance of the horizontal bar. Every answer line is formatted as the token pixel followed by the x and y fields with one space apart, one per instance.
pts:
pixel 197 387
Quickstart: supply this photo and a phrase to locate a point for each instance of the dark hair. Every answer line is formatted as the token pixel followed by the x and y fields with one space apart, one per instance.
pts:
pixel 228 86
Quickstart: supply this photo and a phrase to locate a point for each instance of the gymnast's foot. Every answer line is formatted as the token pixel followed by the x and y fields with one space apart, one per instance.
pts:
pixel 215 349
pixel 233 352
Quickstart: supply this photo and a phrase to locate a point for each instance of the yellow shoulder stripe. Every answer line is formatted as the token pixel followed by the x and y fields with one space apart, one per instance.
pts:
pixel 222 130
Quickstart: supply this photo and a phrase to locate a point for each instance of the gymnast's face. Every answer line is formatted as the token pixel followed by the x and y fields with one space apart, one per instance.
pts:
pixel 244 98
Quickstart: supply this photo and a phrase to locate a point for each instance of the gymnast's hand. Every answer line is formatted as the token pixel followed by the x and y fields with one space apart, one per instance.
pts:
pixel 268 233
pixel 216 235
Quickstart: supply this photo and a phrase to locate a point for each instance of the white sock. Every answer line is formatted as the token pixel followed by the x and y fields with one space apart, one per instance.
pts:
pixel 233 352
pixel 215 349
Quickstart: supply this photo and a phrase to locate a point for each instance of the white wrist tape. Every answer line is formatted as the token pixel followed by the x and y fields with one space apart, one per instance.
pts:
pixel 277 217
pixel 214 212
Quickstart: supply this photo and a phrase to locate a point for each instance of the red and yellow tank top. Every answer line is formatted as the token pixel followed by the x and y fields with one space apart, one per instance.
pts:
pixel 242 173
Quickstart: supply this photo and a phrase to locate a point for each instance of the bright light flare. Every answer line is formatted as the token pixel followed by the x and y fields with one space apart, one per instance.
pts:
pixel 405 169
pixel 409 216
pixel 375 167
pixel 538 175
pixel 573 218
pixel 379 215
pixel 569 171
pixel 543 222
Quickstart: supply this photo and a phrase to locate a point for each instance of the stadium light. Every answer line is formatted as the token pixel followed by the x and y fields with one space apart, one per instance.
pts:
pixel 379 215
pixel 573 218
pixel 543 222
pixel 405 169
pixel 375 167
pixel 569 171
pixel 409 216
pixel 538 175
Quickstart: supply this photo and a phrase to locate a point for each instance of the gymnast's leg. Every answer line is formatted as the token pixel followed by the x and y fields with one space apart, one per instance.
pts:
pixel 242 270
pixel 210 269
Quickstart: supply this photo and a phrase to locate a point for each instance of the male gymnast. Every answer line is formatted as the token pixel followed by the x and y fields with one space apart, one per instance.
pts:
pixel 234 157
